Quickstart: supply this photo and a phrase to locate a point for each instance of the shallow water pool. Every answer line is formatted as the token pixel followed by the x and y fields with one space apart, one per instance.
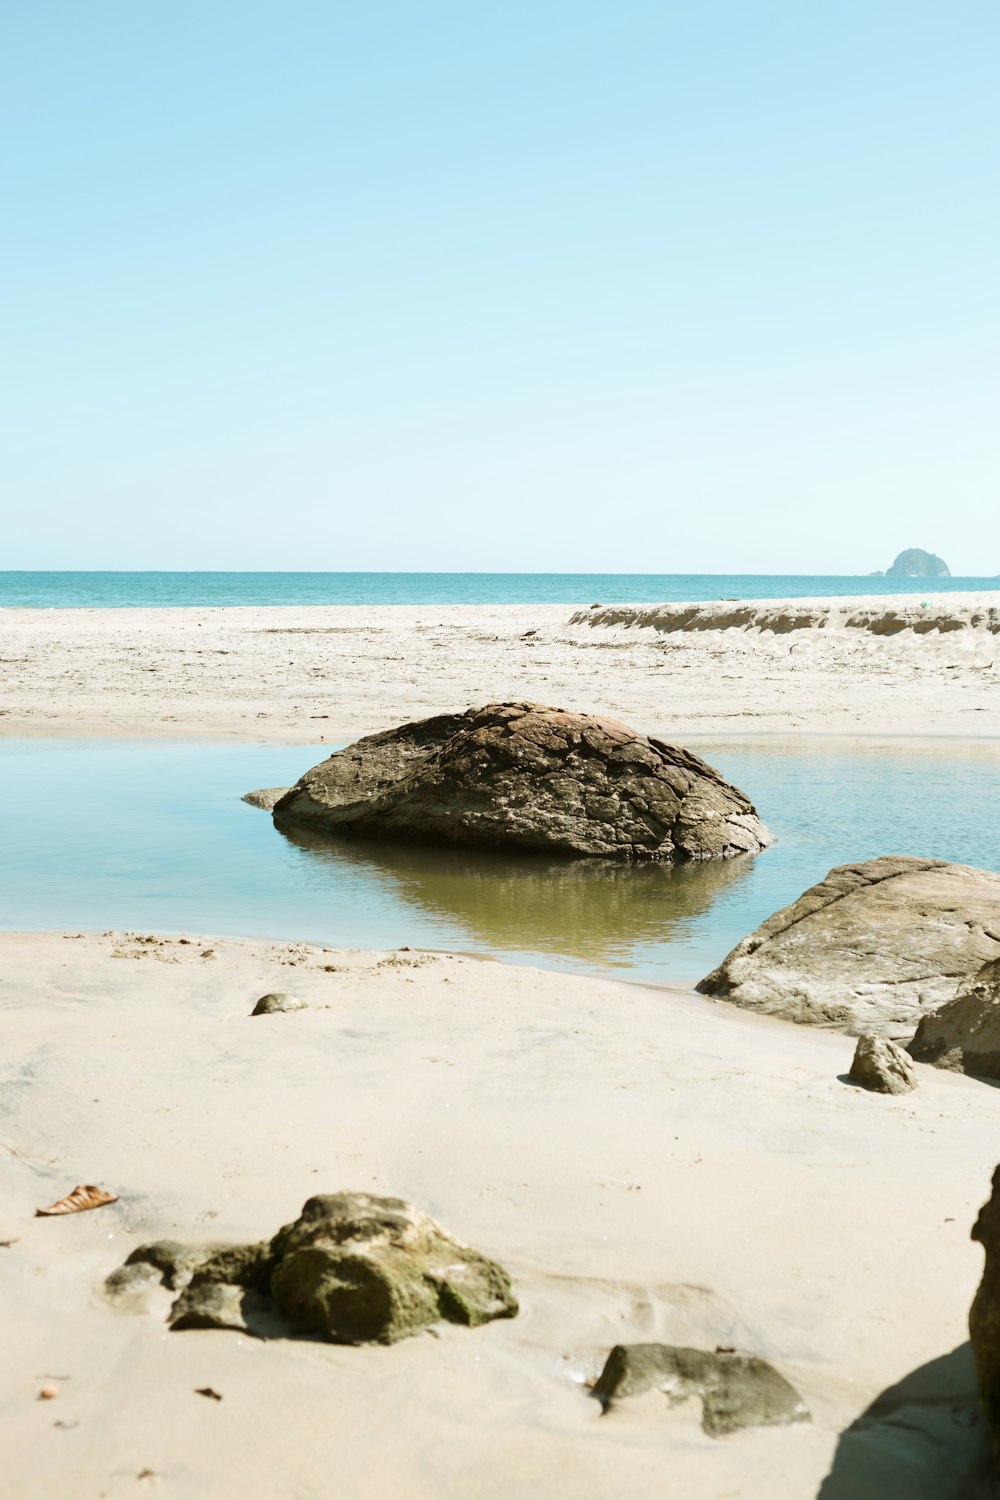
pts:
pixel 152 835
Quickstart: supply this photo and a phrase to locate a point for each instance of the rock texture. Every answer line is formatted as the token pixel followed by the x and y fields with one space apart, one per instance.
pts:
pixel 737 1390
pixel 352 1269
pixel 871 948
pixel 964 1035
pixel 882 1066
pixel 523 776
pixel 914 562
pixel 269 1005
pixel 266 797
pixel 984 1316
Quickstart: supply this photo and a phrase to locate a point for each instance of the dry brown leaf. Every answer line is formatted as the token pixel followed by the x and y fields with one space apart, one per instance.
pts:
pixel 85 1195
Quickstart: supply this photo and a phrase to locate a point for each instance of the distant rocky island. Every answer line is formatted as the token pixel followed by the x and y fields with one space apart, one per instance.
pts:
pixel 916 563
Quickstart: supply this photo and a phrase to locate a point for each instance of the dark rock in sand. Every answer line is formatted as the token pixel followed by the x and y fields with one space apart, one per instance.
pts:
pixel 882 1066
pixel 522 776
pixel 737 1390
pixel 353 1269
pixel 964 1035
pixel 871 948
pixel 266 797
pixel 984 1316
pixel 269 1005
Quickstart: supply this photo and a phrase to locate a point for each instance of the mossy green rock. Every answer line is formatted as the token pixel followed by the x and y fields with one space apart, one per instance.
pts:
pixel 352 1268
pixel 357 1269
pixel 737 1390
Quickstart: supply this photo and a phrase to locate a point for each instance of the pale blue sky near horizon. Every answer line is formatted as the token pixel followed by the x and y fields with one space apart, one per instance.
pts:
pixel 547 287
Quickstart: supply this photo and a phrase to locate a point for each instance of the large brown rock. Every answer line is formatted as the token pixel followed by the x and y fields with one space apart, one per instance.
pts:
pixel 871 948
pixel 522 776
pixel 964 1035
pixel 352 1268
pixel 984 1316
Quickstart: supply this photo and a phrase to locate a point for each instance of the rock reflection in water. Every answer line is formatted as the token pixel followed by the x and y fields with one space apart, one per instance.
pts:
pixel 586 909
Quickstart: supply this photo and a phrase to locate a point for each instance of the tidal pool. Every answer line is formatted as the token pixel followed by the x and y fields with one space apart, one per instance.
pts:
pixel 152 835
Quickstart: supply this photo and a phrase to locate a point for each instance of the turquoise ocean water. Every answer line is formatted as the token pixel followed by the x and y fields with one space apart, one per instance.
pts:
pixel 161 590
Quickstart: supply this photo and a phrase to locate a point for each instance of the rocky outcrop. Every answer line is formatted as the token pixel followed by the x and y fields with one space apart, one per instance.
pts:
pixel 914 562
pixel 964 1035
pixel 737 1390
pixel 352 1269
pixel 872 948
pixel 984 1316
pixel 522 776
pixel 882 1066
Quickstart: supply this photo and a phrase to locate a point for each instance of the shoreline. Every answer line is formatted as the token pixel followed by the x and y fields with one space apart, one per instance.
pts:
pixel 329 674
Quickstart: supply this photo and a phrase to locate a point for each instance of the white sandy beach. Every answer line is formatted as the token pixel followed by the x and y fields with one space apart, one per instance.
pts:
pixel 647 1165
pixel 775 666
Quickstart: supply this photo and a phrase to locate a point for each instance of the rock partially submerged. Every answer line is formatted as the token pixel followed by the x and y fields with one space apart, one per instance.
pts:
pixel 266 797
pixel 984 1316
pixel 964 1035
pixel 882 1066
pixel 737 1390
pixel 871 948
pixel 352 1269
pixel 522 776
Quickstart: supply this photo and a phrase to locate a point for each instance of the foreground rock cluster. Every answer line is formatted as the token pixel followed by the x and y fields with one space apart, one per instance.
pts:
pixel 523 776
pixel 352 1269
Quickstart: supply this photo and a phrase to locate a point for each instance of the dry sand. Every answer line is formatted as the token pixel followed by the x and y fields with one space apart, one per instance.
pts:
pixel 334 673
pixel 647 1165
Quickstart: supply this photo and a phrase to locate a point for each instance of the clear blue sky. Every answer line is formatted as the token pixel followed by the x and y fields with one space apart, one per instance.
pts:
pixel 554 286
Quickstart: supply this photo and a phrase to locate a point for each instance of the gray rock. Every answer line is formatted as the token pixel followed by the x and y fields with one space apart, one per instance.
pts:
pixel 964 1035
pixel 882 1066
pixel 871 948
pixel 737 1390
pixel 166 1262
pixel 984 1316
pixel 212 1304
pixel 269 1005
pixel 266 797
pixel 352 1269
pixel 522 776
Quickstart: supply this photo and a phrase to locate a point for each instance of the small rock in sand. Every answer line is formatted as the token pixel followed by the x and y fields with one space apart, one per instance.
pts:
pixel 882 1066
pixel 268 1005
pixel 737 1390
